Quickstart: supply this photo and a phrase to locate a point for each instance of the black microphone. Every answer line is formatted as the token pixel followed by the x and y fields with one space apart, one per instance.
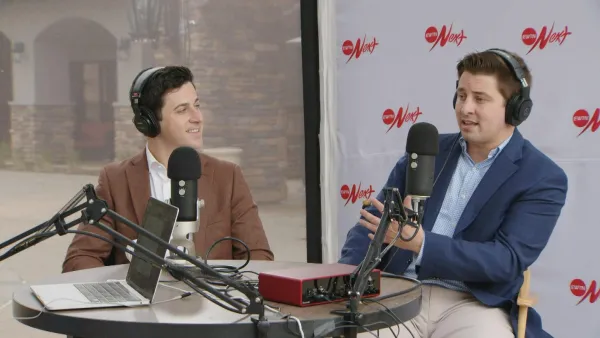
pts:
pixel 422 147
pixel 184 170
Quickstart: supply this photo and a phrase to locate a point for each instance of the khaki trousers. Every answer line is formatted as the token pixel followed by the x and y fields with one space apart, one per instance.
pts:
pixel 450 314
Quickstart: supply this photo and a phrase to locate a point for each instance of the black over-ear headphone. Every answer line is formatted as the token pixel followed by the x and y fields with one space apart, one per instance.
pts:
pixel 518 106
pixel 144 119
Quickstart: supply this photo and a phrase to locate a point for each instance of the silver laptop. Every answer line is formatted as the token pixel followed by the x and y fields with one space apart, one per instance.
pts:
pixel 142 279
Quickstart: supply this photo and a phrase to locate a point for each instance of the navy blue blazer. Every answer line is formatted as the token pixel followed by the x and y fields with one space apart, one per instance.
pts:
pixel 502 231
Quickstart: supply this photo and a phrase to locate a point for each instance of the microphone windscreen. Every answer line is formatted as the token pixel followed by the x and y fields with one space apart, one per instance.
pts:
pixel 422 139
pixel 184 164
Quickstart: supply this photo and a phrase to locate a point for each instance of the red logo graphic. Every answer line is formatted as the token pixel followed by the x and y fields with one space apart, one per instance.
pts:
pixel 355 50
pixel 391 118
pixel 581 119
pixel 531 38
pixel 444 36
pixel 579 289
pixel 351 195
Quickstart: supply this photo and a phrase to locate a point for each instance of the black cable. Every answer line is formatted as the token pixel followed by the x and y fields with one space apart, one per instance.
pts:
pixel 391 314
pixel 201 292
pixel 176 271
pixel 231 271
pixel 228 268
pixel 251 282
pixel 412 224
pixel 399 293
pixel 141 256
pixel 170 269
pixel 249 271
pixel 234 271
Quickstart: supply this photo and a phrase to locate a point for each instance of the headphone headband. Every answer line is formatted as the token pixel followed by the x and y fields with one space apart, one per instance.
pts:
pixel 513 65
pixel 138 85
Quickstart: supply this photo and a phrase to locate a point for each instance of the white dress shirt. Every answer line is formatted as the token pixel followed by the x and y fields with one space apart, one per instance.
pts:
pixel 160 184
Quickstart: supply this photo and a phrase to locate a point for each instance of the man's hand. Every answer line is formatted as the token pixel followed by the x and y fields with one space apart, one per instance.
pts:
pixel 372 222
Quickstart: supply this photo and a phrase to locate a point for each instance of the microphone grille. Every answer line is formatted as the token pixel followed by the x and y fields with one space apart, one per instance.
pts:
pixel 184 164
pixel 422 139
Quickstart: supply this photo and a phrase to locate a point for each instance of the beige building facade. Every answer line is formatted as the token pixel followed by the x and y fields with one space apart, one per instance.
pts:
pixel 66 67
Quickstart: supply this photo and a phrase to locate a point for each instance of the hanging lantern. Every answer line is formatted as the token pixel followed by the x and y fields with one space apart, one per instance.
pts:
pixel 144 20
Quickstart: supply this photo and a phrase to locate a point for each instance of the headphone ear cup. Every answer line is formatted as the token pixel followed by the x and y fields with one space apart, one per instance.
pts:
pixel 141 124
pixel 522 110
pixel 151 122
pixel 512 110
pixel 146 123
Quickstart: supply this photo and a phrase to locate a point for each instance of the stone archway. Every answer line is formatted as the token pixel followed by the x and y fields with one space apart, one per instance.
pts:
pixel 6 94
pixel 75 87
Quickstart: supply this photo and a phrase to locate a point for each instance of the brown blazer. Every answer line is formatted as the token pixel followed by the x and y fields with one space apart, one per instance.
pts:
pixel 229 210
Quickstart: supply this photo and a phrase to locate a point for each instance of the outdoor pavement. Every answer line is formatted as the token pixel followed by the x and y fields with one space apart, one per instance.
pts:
pixel 28 199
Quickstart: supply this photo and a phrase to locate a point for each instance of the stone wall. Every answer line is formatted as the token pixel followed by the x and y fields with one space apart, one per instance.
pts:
pixel 42 134
pixel 239 62
pixel 22 120
pixel 128 140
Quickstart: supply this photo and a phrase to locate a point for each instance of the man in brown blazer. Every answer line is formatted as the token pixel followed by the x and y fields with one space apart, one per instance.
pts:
pixel 166 111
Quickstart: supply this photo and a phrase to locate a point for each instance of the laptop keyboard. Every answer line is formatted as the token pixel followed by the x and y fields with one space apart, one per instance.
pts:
pixel 110 292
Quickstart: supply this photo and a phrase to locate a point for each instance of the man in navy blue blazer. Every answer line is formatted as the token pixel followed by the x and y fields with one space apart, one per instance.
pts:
pixel 495 202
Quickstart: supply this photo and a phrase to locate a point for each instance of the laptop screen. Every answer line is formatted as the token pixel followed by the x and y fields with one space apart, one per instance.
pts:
pixel 159 219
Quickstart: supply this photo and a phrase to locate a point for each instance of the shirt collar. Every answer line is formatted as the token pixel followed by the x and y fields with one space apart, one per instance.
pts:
pixel 154 165
pixel 493 153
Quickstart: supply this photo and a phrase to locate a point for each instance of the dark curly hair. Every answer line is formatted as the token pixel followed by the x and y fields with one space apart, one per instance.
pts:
pixel 161 82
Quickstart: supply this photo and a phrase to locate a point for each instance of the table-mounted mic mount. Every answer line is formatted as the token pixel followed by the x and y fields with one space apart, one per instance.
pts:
pixel 94 209
pixel 184 231
pixel 393 210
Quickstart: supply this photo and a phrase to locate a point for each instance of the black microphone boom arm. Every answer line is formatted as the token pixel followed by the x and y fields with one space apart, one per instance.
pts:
pixel 94 209
pixel 98 208
pixel 393 210
pixel 43 230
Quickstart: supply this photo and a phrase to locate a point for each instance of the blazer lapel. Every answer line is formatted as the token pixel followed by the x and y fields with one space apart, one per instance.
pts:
pixel 501 170
pixel 205 191
pixel 444 169
pixel 138 180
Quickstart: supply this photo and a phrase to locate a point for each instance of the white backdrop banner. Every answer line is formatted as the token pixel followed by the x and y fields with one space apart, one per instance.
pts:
pixel 395 64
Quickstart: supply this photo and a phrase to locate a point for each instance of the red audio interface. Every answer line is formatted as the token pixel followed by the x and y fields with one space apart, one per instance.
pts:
pixel 313 285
